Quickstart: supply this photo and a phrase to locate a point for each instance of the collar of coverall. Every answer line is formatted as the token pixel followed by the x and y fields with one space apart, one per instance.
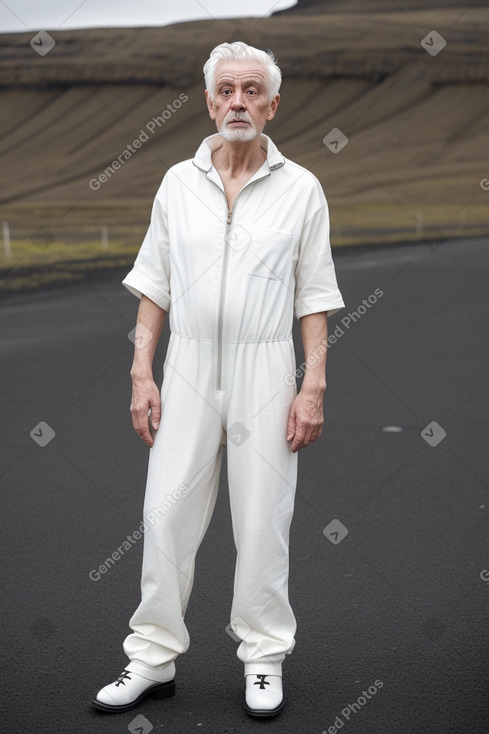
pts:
pixel 203 159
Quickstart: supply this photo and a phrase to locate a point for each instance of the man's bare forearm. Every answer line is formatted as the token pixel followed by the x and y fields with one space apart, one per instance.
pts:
pixel 150 320
pixel 306 416
pixel 314 331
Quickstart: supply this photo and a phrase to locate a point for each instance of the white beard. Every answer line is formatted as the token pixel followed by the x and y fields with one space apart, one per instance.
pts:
pixel 240 134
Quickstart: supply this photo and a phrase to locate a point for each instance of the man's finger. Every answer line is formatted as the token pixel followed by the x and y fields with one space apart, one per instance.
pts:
pixel 296 445
pixel 155 414
pixel 298 437
pixel 291 424
pixel 145 435
pixel 141 426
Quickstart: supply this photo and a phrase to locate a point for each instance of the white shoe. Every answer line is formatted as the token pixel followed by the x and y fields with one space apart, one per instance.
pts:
pixel 264 695
pixel 130 689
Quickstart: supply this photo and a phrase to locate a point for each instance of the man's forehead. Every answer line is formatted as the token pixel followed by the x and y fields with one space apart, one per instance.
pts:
pixel 240 70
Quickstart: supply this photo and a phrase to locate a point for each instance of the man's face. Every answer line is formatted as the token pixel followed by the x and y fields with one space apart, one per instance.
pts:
pixel 241 105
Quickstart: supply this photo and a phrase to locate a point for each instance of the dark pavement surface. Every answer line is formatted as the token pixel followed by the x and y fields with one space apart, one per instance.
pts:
pixel 397 608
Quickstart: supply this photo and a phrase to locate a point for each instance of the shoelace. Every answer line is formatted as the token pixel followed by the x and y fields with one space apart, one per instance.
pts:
pixel 123 675
pixel 261 682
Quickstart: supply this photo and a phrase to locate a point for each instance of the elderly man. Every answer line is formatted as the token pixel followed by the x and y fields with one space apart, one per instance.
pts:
pixel 237 245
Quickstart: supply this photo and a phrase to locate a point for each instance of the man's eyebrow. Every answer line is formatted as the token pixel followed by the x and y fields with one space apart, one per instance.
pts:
pixel 249 80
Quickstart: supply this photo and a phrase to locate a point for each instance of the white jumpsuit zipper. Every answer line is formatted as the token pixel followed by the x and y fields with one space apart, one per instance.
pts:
pixel 224 283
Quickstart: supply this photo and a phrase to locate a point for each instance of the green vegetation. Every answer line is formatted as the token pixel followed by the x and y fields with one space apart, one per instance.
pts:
pixel 76 251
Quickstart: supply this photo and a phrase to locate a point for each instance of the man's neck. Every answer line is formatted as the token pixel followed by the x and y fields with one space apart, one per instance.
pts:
pixel 235 159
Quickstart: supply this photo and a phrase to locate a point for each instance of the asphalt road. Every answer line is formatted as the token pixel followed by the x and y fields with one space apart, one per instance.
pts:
pixel 398 607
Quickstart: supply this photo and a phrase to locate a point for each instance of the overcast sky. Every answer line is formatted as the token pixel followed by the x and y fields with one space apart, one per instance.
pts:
pixel 23 15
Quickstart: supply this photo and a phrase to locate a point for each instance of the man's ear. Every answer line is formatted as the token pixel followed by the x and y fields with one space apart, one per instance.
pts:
pixel 210 105
pixel 273 107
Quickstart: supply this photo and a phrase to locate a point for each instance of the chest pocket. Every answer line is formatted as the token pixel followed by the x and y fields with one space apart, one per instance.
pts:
pixel 270 251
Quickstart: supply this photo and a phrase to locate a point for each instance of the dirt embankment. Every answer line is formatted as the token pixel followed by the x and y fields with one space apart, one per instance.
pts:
pixel 413 111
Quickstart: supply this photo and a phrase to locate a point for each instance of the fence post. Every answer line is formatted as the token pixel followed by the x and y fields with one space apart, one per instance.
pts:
pixel 6 240
pixel 419 223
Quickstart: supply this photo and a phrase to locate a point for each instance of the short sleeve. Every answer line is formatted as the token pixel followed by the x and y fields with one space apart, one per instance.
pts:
pixel 316 288
pixel 150 275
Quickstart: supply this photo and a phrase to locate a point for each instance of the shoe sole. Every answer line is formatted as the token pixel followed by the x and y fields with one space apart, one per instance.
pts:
pixel 264 713
pixel 159 691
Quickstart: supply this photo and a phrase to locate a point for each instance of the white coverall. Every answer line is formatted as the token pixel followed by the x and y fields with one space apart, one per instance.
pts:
pixel 232 282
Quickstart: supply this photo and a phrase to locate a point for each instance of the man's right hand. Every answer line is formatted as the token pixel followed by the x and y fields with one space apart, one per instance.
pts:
pixel 145 395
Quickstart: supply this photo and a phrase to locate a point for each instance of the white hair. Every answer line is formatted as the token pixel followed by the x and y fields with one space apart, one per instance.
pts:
pixel 240 51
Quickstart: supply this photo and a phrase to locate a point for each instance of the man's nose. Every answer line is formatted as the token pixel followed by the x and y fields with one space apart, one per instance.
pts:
pixel 238 102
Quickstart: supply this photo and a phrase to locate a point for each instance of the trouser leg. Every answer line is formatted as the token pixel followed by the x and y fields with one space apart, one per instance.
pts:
pixel 262 477
pixel 181 491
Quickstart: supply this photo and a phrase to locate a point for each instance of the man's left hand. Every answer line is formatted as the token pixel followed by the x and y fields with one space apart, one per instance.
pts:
pixel 306 418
